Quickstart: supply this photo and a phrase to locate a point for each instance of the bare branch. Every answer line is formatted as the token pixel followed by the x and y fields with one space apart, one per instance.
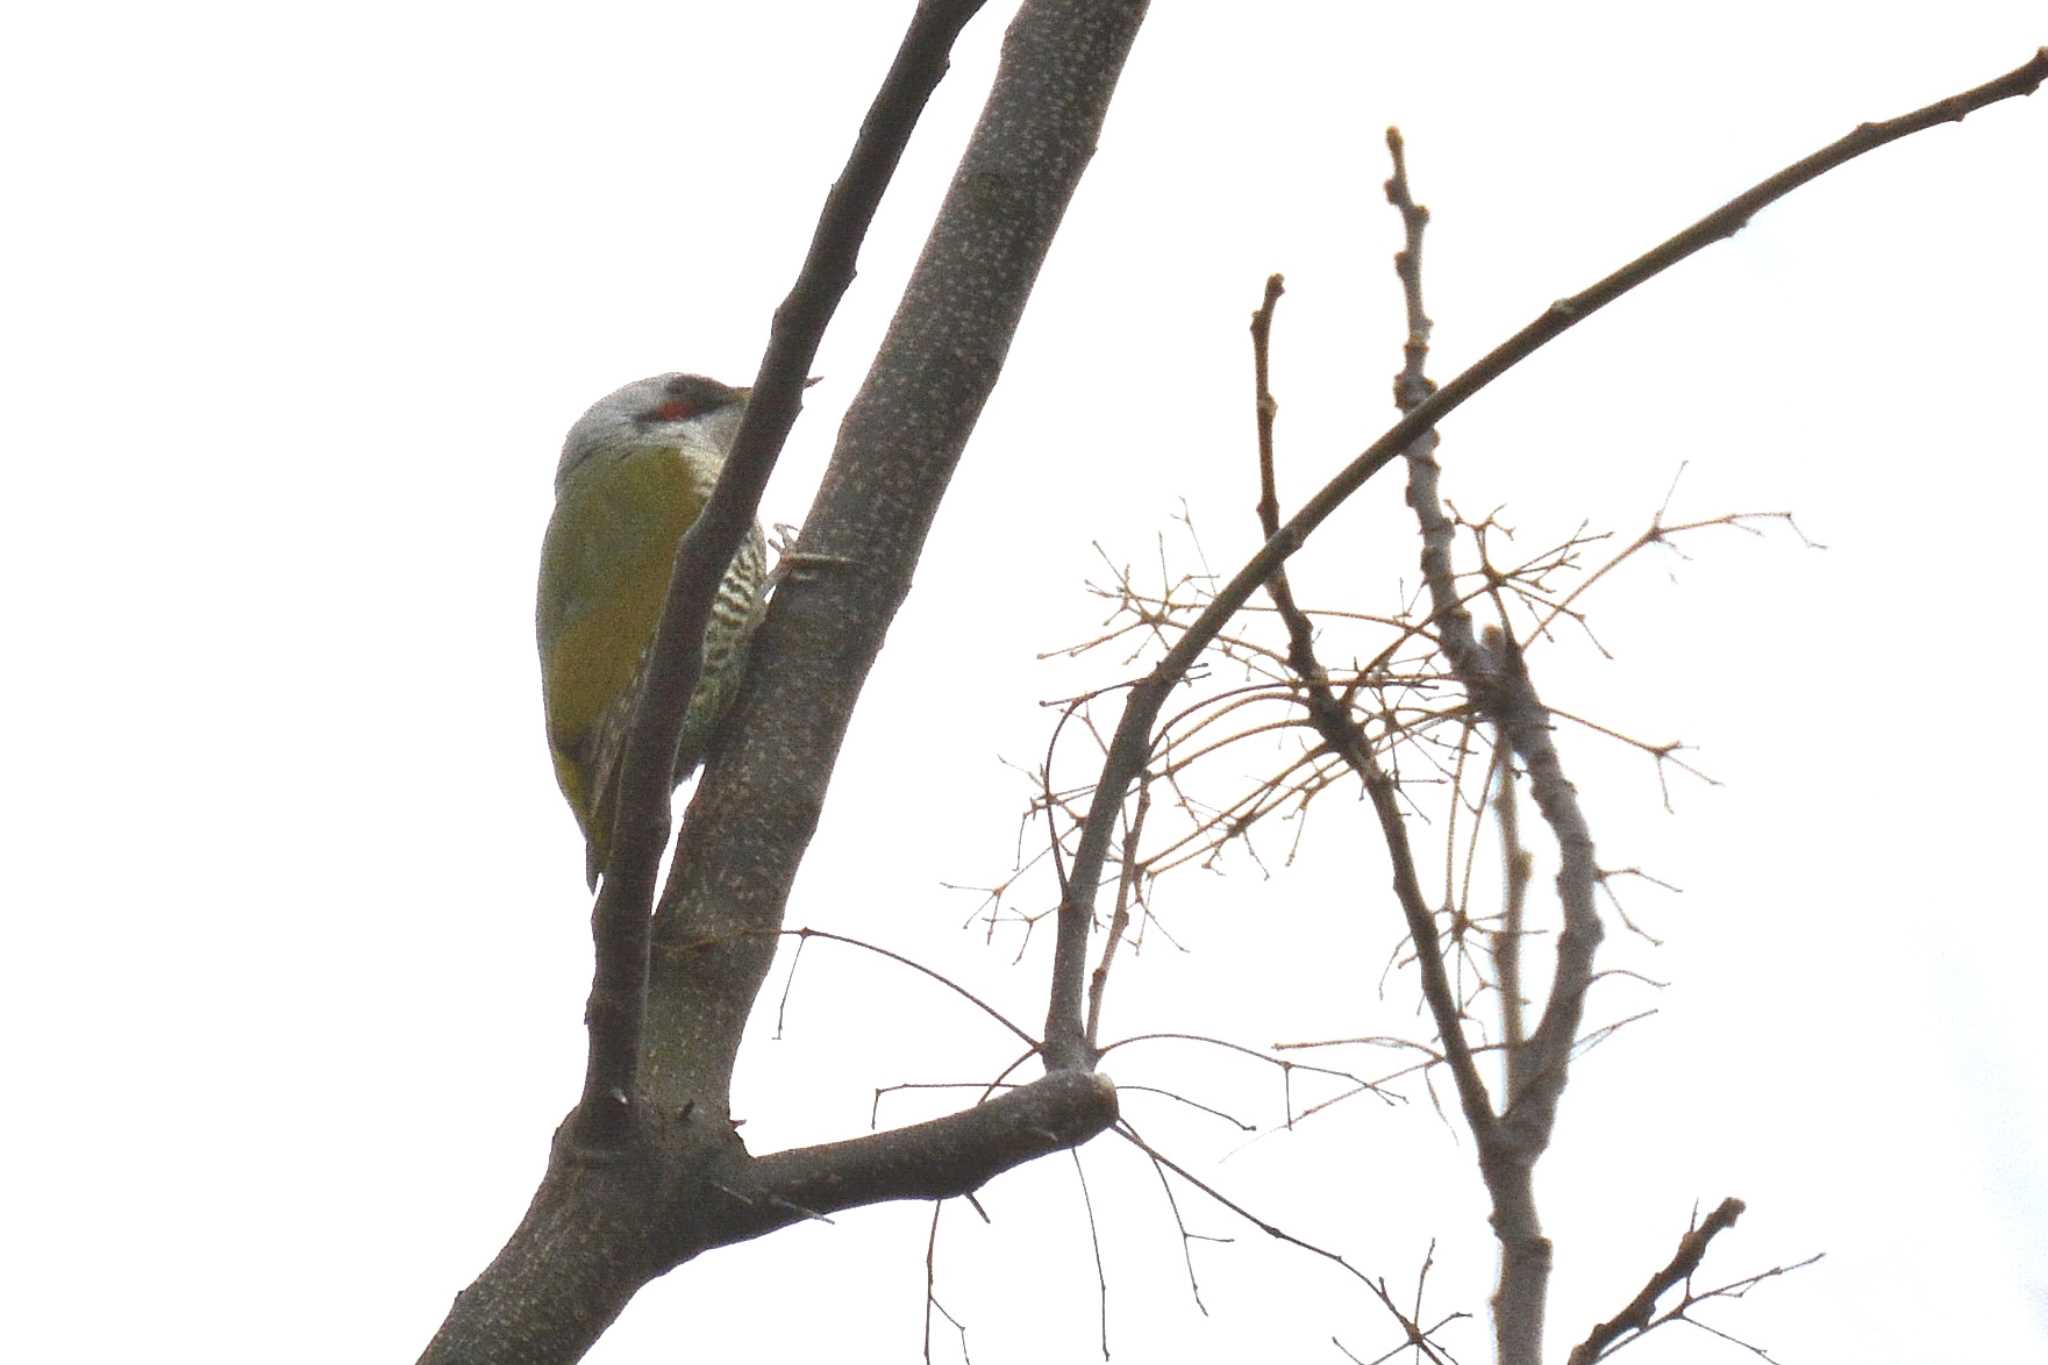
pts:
pixel 1094 1245
pixel 1637 1316
pixel 1507 943
pixel 1417 1337
pixel 638 1182
pixel 754 813
pixel 941 1159
pixel 620 920
pixel 806 933
pixel 1127 886
pixel 1065 1033
pixel 931 1291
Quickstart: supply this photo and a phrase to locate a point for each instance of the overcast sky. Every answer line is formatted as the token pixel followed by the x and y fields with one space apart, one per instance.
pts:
pixel 299 302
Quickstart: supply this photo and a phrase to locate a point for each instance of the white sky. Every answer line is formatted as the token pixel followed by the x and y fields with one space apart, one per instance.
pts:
pixel 299 301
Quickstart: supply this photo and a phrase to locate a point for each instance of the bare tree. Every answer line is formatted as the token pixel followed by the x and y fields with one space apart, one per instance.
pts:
pixel 648 1171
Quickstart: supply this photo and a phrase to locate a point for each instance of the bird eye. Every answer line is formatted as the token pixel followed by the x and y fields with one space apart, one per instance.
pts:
pixel 674 410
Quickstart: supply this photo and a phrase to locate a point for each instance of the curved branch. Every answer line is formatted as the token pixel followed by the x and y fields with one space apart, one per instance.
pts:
pixel 1332 718
pixel 943 1159
pixel 1066 1043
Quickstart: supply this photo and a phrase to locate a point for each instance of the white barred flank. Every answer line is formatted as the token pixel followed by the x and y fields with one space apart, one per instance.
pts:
pixel 735 611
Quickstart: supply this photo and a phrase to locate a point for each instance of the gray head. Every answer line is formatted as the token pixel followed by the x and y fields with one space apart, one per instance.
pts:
pixel 667 409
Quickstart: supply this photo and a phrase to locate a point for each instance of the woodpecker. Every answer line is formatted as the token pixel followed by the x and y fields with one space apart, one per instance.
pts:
pixel 636 472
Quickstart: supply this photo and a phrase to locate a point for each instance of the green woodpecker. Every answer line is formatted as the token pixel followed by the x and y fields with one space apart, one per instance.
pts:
pixel 636 471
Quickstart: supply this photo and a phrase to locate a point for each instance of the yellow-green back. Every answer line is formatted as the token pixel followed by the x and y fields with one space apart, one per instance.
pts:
pixel 604 575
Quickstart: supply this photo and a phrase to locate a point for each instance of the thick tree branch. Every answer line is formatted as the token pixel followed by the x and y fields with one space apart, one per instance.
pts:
pixel 621 917
pixel 665 1180
pixel 678 1190
pixel 942 1159
pixel 754 814
pixel 671 1179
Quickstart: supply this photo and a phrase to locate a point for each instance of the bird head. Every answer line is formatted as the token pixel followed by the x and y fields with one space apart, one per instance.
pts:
pixel 666 409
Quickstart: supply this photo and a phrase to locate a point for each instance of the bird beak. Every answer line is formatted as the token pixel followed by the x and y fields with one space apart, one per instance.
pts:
pixel 748 391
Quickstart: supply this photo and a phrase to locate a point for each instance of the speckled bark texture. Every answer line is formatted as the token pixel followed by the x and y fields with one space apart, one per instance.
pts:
pixel 905 432
pixel 673 1179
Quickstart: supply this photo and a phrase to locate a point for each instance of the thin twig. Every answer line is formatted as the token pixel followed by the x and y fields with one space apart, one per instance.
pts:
pixel 1637 1316
pixel 990 1010
pixel 1066 1035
